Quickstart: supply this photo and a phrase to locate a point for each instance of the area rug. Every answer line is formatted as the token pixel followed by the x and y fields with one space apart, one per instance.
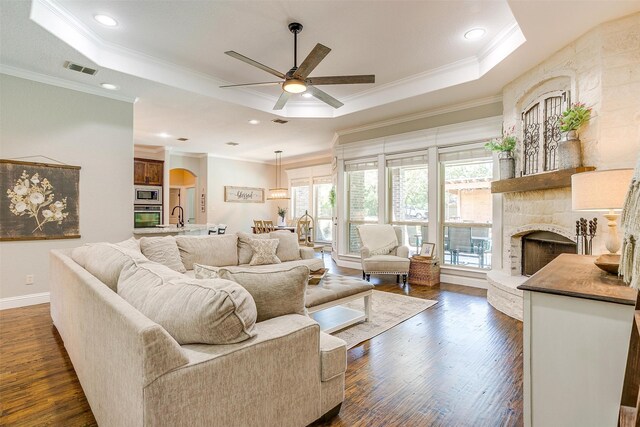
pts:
pixel 387 310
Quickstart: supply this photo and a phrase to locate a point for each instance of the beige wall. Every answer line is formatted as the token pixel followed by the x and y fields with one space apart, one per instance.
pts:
pixel 238 216
pixel 79 129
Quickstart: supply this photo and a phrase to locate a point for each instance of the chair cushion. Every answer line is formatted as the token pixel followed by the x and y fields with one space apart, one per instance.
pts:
pixel 216 250
pixel 334 287
pixel 276 292
pixel 264 251
pixel 386 264
pixel 288 247
pixel 244 248
pixel 163 250
pixel 333 356
pixel 212 311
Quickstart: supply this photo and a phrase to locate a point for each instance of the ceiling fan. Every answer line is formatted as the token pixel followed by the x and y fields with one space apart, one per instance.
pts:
pixel 297 79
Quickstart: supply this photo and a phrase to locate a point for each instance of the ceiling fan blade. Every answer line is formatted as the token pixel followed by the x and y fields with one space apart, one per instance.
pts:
pixel 324 97
pixel 253 84
pixel 255 63
pixel 342 80
pixel 284 97
pixel 311 61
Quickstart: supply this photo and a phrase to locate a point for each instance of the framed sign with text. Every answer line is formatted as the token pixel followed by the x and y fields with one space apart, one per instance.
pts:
pixel 243 194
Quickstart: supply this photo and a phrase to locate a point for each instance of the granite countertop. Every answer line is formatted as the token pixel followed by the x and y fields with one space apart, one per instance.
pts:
pixel 171 229
pixel 577 276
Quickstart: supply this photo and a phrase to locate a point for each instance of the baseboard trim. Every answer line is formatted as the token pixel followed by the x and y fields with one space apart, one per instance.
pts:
pixel 24 300
pixel 463 280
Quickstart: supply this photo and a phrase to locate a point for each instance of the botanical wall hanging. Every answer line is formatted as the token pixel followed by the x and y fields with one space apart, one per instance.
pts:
pixel 40 201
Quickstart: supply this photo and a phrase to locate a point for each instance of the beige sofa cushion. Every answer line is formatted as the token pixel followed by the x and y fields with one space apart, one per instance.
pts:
pixel 106 260
pixel 163 250
pixel 264 251
pixel 288 247
pixel 208 250
pixel 276 292
pixel 211 311
pixel 206 271
pixel 245 253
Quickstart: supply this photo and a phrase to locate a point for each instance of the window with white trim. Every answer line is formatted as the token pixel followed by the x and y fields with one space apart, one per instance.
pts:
pixel 322 209
pixel 300 197
pixel 408 182
pixel 362 198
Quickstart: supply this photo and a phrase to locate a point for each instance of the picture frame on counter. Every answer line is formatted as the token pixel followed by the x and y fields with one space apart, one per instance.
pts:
pixel 243 194
pixel 41 201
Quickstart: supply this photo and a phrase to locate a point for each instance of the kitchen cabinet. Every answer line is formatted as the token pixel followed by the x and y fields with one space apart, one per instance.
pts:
pixel 148 172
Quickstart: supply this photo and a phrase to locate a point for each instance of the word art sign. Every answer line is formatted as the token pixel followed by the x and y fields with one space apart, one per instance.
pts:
pixel 243 194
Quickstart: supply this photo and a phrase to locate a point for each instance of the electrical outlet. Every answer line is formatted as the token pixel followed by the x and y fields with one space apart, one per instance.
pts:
pixel 29 279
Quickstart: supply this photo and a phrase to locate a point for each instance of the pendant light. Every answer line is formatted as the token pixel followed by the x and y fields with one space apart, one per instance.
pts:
pixel 278 193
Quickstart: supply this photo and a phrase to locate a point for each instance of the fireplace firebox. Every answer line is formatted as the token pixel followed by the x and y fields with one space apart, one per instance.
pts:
pixel 539 248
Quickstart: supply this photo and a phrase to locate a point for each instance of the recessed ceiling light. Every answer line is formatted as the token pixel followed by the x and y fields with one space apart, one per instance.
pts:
pixel 254 121
pixel 233 144
pixel 475 33
pixel 163 135
pixel 105 20
pixel 109 86
pixel 307 95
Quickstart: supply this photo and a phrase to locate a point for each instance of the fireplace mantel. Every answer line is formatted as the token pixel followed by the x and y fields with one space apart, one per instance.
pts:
pixel 540 181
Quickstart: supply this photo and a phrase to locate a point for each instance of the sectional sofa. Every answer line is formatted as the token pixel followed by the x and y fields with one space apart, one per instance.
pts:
pixel 282 371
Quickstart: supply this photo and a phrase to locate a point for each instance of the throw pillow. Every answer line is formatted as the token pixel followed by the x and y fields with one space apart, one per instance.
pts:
pixel 245 253
pixel 206 271
pixel 106 260
pixel 163 250
pixel 208 250
pixel 276 292
pixel 192 311
pixel 288 247
pixel 264 251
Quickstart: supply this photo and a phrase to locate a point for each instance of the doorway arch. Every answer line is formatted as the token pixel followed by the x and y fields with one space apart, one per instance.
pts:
pixel 182 192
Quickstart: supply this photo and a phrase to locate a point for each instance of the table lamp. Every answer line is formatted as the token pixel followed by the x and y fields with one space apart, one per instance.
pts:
pixel 603 191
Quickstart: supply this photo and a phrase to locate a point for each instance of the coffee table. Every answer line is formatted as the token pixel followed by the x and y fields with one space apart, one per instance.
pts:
pixel 325 300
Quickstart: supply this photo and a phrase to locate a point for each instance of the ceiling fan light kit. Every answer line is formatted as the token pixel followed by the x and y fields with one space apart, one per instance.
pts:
pixel 278 193
pixel 297 79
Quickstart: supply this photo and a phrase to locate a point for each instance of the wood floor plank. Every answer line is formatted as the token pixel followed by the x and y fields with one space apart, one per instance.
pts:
pixel 458 363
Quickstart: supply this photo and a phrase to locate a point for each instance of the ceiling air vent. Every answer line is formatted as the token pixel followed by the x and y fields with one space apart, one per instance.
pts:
pixel 79 68
pixel 280 121
pixel 183 139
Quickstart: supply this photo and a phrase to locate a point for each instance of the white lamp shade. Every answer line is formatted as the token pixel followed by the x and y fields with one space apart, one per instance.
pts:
pixel 600 190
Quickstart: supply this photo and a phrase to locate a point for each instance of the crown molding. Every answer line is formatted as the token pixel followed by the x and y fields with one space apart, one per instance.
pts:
pixel 151 149
pixel 53 17
pixel 409 118
pixel 67 84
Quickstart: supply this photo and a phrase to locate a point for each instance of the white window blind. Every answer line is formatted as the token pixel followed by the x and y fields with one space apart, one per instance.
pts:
pixel 361 166
pixel 322 180
pixel 407 161
pixel 300 182
pixel 452 154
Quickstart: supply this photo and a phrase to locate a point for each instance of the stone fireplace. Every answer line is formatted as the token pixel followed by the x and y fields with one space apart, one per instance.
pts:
pixel 539 248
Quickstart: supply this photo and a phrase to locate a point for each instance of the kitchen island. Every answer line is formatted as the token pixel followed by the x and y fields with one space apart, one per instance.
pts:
pixel 171 230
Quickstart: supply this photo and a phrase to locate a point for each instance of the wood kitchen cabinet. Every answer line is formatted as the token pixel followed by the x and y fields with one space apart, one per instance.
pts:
pixel 148 172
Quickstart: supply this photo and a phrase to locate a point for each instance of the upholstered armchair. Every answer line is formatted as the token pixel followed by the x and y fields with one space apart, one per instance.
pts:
pixel 386 259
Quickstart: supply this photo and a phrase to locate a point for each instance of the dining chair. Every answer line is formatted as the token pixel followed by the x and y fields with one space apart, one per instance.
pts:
pixel 258 226
pixel 267 226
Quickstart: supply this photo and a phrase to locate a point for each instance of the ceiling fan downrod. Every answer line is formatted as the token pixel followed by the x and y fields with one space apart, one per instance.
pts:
pixel 295 28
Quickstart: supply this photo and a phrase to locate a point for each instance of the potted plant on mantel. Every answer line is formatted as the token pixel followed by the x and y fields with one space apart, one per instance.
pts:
pixel 282 212
pixel 504 146
pixel 569 148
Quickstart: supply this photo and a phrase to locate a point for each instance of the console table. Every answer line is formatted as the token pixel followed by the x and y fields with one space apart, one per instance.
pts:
pixel 577 323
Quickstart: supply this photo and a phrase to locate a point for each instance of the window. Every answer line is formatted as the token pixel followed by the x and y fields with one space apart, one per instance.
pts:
pixel 300 199
pixel 409 198
pixel 323 212
pixel 467 208
pixel 362 197
pixel 541 132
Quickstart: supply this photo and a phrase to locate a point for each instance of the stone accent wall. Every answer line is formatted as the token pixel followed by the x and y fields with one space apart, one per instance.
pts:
pixel 601 69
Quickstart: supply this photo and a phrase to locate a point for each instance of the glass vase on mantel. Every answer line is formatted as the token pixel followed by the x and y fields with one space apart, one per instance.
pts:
pixel 507 165
pixel 569 151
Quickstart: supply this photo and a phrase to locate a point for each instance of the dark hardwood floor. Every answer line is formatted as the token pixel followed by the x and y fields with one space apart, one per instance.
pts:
pixel 458 363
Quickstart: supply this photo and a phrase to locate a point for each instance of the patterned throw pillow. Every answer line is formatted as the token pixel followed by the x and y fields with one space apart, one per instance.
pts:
pixel 205 271
pixel 264 251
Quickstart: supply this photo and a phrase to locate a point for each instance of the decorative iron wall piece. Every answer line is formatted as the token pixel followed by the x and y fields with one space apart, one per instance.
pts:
pixel 552 134
pixel 531 140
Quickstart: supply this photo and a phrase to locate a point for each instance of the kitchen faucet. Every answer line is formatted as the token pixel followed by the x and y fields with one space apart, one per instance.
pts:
pixel 180 215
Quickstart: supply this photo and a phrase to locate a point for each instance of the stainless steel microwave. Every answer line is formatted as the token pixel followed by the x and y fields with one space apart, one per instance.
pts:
pixel 148 195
